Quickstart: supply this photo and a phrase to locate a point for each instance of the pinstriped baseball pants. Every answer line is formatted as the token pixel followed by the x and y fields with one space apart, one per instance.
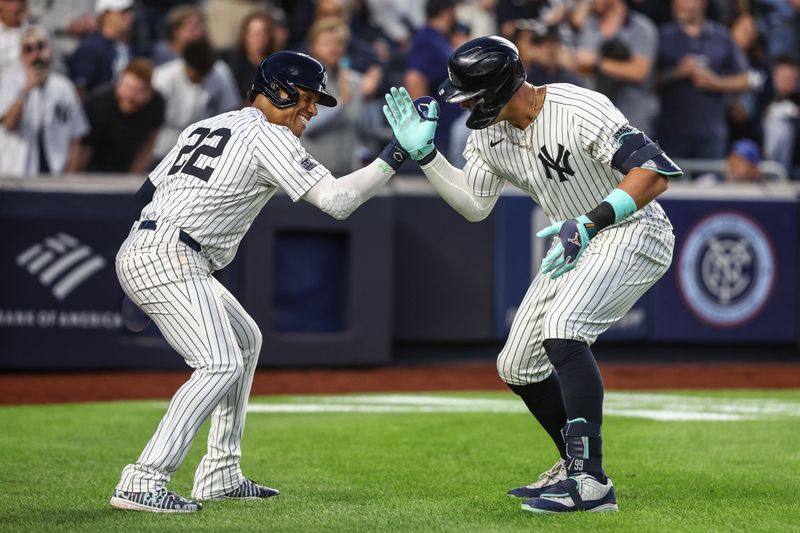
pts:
pixel 618 266
pixel 204 323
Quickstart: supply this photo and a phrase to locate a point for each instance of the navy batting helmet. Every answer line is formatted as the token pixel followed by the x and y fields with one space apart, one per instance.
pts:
pixel 287 70
pixel 488 71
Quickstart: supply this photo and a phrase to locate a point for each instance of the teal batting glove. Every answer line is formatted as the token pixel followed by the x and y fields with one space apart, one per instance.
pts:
pixel 573 237
pixel 413 125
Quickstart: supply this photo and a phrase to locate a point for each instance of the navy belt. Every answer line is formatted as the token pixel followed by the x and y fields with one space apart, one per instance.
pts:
pixel 182 235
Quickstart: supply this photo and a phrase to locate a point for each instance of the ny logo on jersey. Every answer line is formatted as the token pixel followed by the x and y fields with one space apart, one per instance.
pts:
pixel 560 164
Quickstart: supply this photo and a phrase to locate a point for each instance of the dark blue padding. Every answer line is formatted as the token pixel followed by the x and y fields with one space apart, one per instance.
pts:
pixel 636 149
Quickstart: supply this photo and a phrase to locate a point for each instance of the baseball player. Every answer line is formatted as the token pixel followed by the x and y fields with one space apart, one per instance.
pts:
pixel 596 178
pixel 201 199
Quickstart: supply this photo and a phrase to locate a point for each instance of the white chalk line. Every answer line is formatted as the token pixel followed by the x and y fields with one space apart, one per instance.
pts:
pixel 660 407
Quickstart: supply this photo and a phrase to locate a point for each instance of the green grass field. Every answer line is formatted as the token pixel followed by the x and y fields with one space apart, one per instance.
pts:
pixel 702 461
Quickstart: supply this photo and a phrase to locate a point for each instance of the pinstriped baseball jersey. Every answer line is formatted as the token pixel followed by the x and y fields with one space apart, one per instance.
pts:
pixel 563 159
pixel 221 172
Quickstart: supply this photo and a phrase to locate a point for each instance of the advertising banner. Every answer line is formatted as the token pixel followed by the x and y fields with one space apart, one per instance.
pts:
pixel 734 272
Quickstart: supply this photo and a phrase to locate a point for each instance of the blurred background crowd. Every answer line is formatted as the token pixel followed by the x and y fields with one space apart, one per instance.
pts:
pixel 108 85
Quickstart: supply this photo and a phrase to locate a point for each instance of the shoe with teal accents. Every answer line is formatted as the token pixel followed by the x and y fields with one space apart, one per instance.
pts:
pixel 581 492
pixel 546 479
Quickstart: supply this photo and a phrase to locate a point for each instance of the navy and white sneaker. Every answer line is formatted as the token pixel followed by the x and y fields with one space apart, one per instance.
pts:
pixel 546 479
pixel 577 493
pixel 248 490
pixel 159 501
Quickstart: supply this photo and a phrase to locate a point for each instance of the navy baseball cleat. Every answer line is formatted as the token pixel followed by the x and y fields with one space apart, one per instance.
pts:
pixel 248 490
pixel 159 501
pixel 546 479
pixel 577 493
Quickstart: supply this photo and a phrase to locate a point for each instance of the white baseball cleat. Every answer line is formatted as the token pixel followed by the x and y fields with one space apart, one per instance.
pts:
pixel 546 479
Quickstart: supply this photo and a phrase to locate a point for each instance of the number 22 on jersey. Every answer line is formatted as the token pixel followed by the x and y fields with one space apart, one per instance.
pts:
pixel 198 148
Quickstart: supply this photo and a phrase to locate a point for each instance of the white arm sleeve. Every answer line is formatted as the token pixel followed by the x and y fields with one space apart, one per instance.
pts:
pixel 452 185
pixel 340 197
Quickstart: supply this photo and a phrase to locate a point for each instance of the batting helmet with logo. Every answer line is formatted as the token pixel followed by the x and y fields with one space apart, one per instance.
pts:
pixel 486 70
pixel 287 70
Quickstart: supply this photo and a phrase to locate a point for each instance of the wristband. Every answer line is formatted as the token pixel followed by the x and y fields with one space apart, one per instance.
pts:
pixel 428 157
pixel 614 208
pixel 623 204
pixel 393 154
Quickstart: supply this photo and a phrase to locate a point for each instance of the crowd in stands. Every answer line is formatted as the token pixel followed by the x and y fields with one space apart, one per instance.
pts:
pixel 108 85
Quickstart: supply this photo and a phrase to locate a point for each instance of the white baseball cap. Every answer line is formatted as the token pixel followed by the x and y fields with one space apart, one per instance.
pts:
pixel 112 5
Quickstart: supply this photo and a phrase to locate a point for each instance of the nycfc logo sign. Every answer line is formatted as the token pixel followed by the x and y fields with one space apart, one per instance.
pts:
pixel 726 269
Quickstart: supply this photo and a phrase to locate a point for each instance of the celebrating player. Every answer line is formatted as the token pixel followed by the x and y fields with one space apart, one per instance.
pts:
pixel 202 199
pixel 596 178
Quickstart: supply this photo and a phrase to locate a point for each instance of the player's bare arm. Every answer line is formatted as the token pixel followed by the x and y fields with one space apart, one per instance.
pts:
pixel 643 185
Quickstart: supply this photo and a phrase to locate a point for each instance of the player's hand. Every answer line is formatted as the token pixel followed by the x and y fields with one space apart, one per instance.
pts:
pixel 573 237
pixel 413 123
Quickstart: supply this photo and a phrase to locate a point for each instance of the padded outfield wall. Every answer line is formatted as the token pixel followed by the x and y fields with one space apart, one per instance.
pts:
pixel 404 269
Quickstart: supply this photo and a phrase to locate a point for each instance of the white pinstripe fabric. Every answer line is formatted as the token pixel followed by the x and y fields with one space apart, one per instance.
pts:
pixel 203 322
pixel 259 159
pixel 620 263
pixel 212 185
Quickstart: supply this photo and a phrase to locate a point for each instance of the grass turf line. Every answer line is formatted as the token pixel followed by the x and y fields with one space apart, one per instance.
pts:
pixel 403 471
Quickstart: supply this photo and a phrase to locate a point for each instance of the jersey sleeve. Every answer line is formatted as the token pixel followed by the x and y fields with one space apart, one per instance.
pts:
pixel 480 176
pixel 599 125
pixel 283 162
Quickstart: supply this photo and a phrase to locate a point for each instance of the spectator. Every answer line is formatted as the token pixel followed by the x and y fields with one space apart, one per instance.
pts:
pixel 398 20
pixel 41 114
pixel 698 64
pixel 13 17
pixel 194 87
pixel 150 23
pixel 225 19
pixel 67 22
pixel 782 118
pixel 656 10
pixel 741 166
pixel 426 65
pixel 510 11
pixel 335 134
pixel 782 21
pixel 255 43
pixel 280 29
pixel 185 23
pixel 542 54
pixel 102 55
pixel 745 109
pixel 619 47
pixel 124 119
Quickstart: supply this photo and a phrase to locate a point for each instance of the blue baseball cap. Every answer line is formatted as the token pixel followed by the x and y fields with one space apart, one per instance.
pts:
pixel 747 149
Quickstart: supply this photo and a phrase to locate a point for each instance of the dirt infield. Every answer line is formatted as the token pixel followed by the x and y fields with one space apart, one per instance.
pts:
pixel 29 388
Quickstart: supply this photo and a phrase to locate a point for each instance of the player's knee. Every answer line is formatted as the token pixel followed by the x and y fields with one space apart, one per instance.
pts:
pixel 520 369
pixel 559 325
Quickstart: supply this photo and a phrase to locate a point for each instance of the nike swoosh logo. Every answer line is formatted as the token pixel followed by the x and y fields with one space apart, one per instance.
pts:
pixel 495 143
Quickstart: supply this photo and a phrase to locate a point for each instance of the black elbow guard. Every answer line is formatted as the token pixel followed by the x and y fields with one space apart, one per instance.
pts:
pixel 637 150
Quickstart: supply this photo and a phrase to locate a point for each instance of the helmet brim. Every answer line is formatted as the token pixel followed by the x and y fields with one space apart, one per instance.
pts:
pixel 453 95
pixel 325 99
